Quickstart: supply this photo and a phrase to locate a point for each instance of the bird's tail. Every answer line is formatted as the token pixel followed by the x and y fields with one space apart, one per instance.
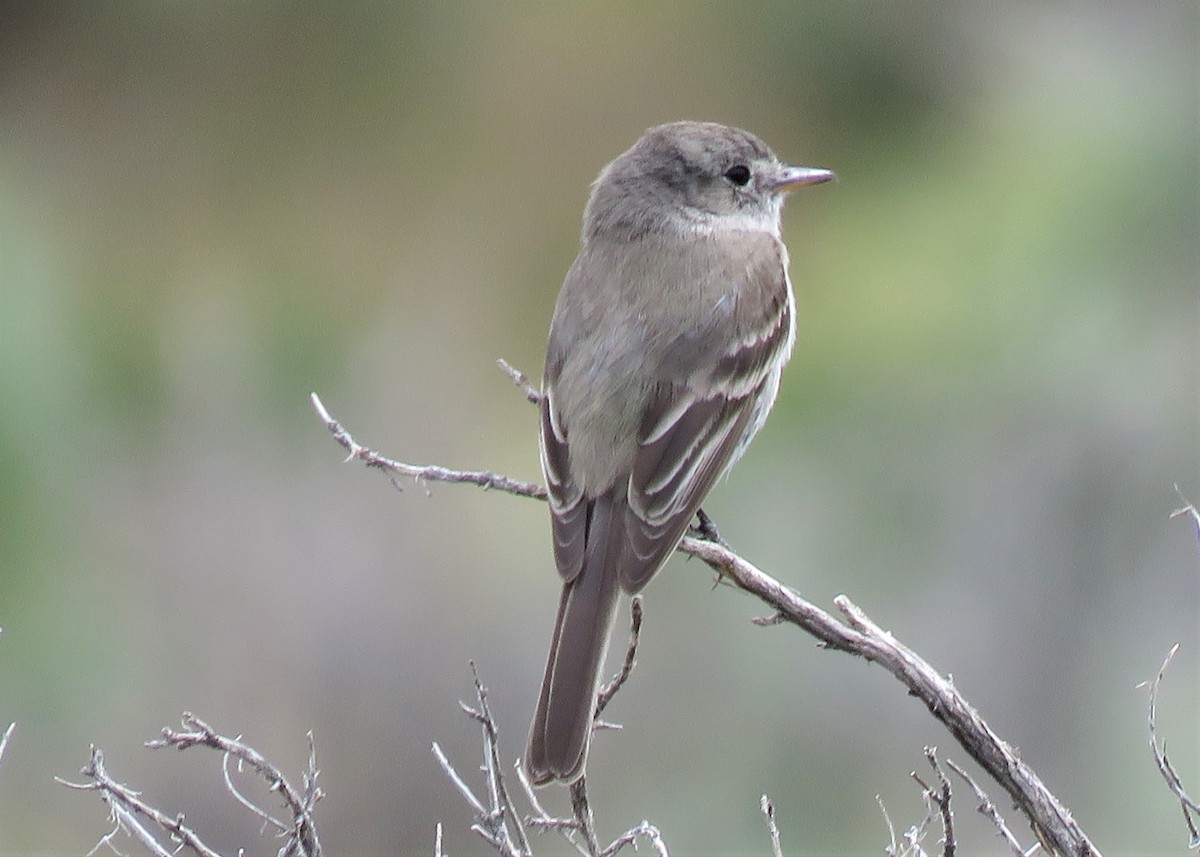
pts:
pixel 562 724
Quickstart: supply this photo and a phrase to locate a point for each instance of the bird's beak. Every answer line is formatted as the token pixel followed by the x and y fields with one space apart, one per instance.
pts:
pixel 790 178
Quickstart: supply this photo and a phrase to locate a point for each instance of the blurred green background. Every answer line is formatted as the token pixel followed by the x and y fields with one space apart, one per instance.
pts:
pixel 209 210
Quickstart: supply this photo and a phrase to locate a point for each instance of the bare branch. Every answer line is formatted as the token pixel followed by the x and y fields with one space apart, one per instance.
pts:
pixel 768 811
pixel 940 797
pixel 568 827
pixel 485 821
pixel 490 821
pixel 645 830
pixel 501 800
pixel 610 690
pixel 128 809
pixel 914 837
pixel 583 814
pixel 497 821
pixel 4 738
pixel 532 393
pixel 135 816
pixel 585 824
pixel 422 473
pixel 1051 821
pixel 267 818
pixel 463 788
pixel 1187 510
pixel 989 811
pixel 892 849
pixel 301 834
pixel 1189 806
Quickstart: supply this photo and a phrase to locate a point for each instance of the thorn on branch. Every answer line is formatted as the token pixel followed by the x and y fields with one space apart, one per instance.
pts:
pixel 775 618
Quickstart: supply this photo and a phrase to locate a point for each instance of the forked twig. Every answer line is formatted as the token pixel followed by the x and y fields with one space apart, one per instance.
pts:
pixel 136 817
pixel 496 819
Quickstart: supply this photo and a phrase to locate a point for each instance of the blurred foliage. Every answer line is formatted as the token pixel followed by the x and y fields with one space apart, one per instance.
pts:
pixel 209 210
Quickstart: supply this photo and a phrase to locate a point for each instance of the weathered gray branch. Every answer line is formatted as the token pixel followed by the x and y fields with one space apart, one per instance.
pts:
pixel 855 634
pixel 146 824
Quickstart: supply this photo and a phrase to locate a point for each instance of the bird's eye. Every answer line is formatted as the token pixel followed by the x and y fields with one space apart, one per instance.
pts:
pixel 739 174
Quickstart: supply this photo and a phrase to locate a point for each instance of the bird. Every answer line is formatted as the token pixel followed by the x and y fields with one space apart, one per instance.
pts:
pixel 668 339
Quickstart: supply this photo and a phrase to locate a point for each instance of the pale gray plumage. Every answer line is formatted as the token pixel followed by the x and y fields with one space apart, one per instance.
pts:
pixel 668 340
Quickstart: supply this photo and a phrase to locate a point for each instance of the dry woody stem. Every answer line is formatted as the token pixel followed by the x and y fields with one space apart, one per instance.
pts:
pixel 855 633
pixel 150 826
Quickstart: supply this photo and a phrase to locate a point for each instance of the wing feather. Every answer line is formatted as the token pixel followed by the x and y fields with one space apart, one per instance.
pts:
pixel 672 475
pixel 568 512
pixel 692 432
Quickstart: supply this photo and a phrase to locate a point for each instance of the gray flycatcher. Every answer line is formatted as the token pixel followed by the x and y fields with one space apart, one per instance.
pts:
pixel 668 339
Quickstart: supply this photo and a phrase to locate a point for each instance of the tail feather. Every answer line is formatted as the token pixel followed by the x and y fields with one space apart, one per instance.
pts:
pixel 562 724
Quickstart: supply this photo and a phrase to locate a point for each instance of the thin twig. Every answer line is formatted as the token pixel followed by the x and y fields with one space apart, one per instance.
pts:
pixel 1165 769
pixel 246 802
pixel 989 811
pixel 768 810
pixel 941 798
pixel 501 800
pixel 463 788
pixel 302 832
pixel 635 630
pixel 128 809
pixel 915 835
pixel 495 823
pixel 128 823
pixel 861 636
pixel 532 393
pixel 1187 510
pixel 484 824
pixel 423 473
pixel 542 820
pixel 4 738
pixel 893 848
pixel 645 830
pixel 312 792
pixel 583 815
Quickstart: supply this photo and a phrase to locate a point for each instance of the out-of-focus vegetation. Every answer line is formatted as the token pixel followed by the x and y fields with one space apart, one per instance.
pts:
pixel 209 210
